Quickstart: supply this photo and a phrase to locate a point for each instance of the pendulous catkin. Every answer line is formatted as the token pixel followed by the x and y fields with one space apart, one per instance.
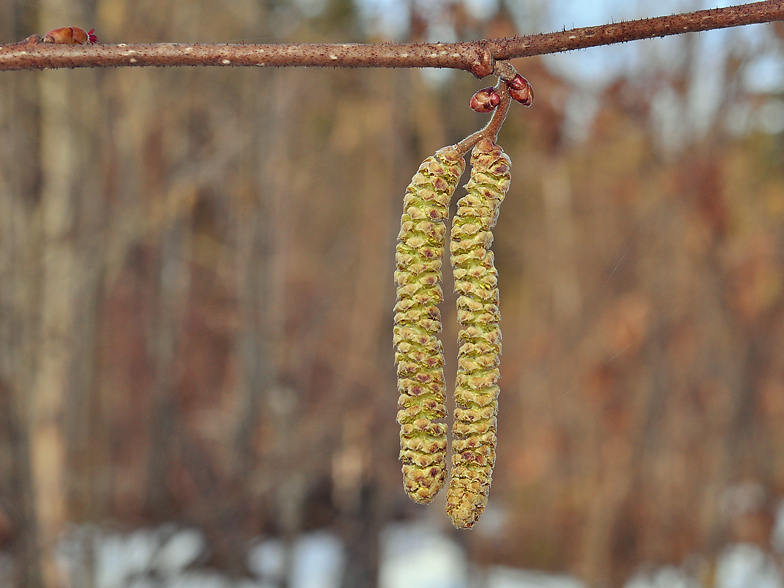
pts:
pixel 476 283
pixel 418 352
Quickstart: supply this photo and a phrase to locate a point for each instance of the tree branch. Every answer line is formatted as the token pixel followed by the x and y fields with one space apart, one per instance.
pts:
pixel 477 57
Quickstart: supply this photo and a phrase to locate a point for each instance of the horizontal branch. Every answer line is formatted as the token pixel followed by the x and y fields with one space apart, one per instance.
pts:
pixel 634 30
pixel 477 57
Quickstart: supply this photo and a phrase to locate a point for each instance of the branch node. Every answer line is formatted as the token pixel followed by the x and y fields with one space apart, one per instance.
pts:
pixel 483 63
pixel 504 70
pixel 33 39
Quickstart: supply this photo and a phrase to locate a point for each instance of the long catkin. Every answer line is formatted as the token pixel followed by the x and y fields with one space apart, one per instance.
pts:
pixel 476 283
pixel 418 352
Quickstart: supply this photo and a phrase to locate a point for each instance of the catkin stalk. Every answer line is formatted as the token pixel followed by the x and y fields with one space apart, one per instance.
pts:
pixel 419 355
pixel 476 283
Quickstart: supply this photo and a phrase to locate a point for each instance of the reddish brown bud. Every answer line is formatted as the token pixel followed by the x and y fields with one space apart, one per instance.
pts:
pixel 521 90
pixel 485 100
pixel 71 36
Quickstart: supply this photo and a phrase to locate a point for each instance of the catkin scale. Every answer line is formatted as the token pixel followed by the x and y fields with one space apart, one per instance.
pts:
pixel 419 356
pixel 476 283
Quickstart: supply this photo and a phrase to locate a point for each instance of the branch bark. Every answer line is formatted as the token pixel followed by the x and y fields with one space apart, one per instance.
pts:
pixel 477 57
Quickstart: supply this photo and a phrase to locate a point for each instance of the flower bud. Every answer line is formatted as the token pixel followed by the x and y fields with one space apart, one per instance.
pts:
pixel 485 100
pixel 71 36
pixel 521 90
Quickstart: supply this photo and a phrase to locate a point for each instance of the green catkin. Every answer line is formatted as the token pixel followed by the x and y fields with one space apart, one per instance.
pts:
pixel 419 355
pixel 476 284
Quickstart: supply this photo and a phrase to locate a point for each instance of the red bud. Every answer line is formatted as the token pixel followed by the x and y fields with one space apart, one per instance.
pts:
pixel 485 100
pixel 521 90
pixel 71 36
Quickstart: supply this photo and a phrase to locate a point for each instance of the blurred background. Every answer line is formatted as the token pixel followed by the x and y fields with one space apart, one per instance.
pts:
pixel 197 384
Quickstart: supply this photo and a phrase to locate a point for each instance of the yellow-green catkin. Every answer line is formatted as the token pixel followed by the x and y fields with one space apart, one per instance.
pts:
pixel 476 284
pixel 418 352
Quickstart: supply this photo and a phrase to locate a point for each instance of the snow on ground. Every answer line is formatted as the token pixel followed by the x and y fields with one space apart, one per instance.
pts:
pixel 503 577
pixel 747 566
pixel 664 577
pixel 417 554
pixel 413 555
pixel 317 561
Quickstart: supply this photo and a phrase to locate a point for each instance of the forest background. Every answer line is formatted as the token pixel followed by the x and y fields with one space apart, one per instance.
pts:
pixel 196 285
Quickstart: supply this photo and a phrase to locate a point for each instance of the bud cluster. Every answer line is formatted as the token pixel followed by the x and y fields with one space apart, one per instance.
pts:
pixel 487 99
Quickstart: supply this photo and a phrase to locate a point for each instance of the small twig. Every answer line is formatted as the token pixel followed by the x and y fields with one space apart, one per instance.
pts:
pixel 478 57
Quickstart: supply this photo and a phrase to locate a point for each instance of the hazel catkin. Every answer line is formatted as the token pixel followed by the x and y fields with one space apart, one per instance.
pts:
pixel 419 355
pixel 479 338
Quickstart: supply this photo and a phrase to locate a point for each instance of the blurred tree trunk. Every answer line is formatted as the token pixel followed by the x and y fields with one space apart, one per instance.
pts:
pixel 566 298
pixel 63 147
pixel 262 262
pixel 357 495
pixel 19 194
pixel 86 435
pixel 282 402
pixel 86 442
pixel 172 302
pixel 263 227
pixel 56 343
